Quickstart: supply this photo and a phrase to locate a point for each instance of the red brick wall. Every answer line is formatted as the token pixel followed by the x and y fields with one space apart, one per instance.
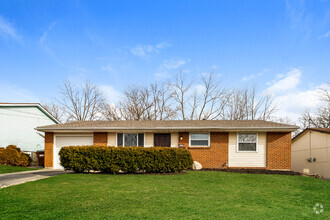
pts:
pixel 279 150
pixel 215 156
pixel 49 143
pixel 100 138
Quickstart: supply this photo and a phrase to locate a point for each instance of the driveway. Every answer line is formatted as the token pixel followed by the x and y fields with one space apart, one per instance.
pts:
pixel 10 179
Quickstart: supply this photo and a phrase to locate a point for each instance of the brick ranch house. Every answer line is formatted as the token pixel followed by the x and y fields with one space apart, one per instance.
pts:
pixel 213 143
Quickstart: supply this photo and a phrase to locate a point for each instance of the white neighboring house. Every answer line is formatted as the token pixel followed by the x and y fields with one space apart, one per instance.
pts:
pixel 18 122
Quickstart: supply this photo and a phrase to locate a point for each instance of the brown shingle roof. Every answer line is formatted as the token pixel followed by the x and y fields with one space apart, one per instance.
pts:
pixel 322 130
pixel 173 124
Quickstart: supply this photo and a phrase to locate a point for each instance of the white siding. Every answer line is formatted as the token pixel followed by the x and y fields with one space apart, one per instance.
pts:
pixel 174 139
pixel 112 139
pixel 17 127
pixel 247 159
pixel 148 139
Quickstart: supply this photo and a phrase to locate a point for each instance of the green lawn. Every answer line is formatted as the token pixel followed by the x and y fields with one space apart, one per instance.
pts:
pixel 195 195
pixel 11 169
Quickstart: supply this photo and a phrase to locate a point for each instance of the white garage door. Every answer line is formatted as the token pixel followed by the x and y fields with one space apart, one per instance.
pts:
pixel 62 141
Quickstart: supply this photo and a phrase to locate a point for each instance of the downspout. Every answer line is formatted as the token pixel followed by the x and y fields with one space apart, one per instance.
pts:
pixel 40 134
pixel 310 144
pixel 310 153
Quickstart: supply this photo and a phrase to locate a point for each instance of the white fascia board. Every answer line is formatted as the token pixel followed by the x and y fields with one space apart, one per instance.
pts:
pixel 68 129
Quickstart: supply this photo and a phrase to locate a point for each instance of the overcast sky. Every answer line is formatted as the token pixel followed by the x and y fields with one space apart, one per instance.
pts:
pixel 282 46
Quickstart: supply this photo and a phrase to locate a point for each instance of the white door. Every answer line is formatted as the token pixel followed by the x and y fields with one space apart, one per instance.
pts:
pixel 62 141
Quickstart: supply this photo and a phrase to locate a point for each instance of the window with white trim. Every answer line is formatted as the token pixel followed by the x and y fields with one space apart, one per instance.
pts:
pixel 199 140
pixel 130 139
pixel 247 142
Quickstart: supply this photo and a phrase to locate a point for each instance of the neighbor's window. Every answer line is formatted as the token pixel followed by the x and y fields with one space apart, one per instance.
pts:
pixel 199 140
pixel 130 140
pixel 247 142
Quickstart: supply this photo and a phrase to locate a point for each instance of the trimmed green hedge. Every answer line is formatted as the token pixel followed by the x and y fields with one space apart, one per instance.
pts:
pixel 125 159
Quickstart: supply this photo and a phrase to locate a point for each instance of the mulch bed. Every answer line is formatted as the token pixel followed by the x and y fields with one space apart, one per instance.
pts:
pixel 255 171
pixel 248 171
pixel 138 173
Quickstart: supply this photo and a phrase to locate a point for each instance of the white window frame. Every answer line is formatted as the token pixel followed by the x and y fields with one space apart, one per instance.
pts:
pixel 240 151
pixel 137 138
pixel 208 145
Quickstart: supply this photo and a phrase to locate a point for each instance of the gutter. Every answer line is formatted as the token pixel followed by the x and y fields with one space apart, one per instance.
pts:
pixel 166 128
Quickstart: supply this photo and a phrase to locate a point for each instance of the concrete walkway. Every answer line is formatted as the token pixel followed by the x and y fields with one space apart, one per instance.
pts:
pixel 10 179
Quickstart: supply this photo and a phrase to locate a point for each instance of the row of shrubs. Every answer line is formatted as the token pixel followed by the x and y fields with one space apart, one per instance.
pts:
pixel 13 156
pixel 125 159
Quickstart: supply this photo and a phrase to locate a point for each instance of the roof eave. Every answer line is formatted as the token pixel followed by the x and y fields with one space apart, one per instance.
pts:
pixel 37 105
pixel 304 131
pixel 116 129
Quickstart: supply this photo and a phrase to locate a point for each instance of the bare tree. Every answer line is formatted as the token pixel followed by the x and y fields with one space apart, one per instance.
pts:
pixel 213 99
pixel 284 120
pixel 267 107
pixel 325 94
pixel 207 99
pixel 143 103
pixel 193 104
pixel 180 93
pixel 236 105
pixel 208 103
pixel 111 112
pixel 320 119
pixel 83 102
pixel 56 110
pixel 246 104
pixel 136 104
pixel 161 97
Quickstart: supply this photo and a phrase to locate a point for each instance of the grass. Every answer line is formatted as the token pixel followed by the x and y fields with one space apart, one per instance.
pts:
pixel 12 169
pixel 195 195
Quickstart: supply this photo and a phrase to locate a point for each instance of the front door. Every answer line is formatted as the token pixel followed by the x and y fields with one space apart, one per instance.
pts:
pixel 162 140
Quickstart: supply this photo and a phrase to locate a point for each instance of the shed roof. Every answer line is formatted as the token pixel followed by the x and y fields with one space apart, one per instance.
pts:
pixel 321 130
